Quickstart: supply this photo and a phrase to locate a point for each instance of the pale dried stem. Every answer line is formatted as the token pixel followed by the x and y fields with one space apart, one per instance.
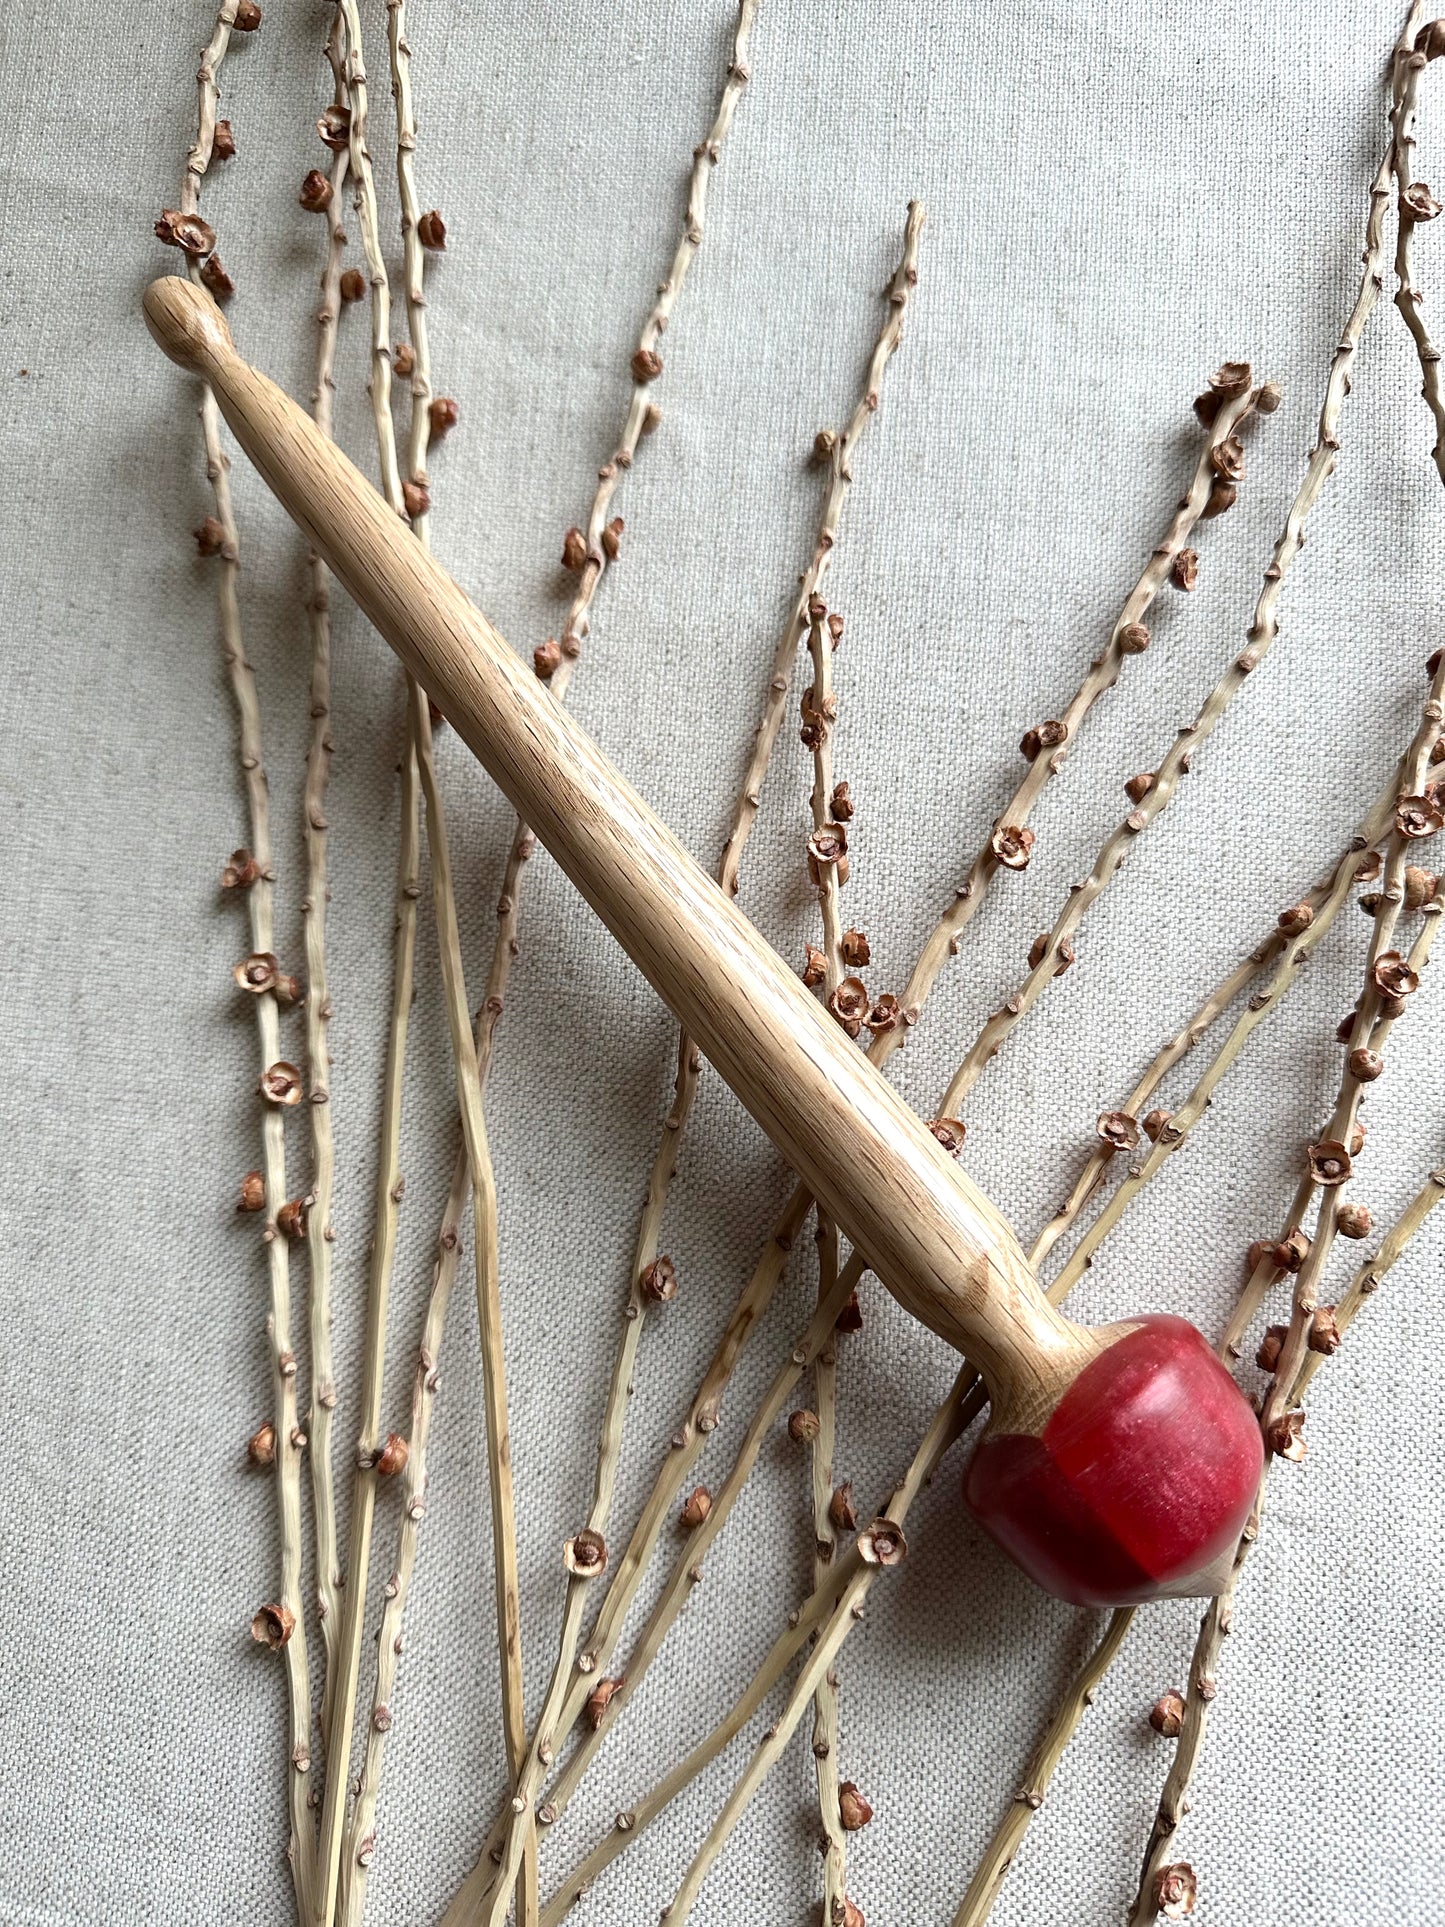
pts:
pixel 388 1179
pixel 1082 896
pixel 1367 1278
pixel 355 1842
pixel 825 1369
pixel 1408 297
pixel 820 649
pixel 319 1230
pixel 378 1292
pixel 840 1601
pixel 826 1725
pixel 988 1878
pixel 1218 1617
pixel 1366 1033
pixel 641 418
pixel 572 1669
pixel 261 913
pixel 689 1441
pixel 943 940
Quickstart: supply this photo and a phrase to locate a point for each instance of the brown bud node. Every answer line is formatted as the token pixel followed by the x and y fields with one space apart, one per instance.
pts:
pixel 1231 378
pixel 1418 202
pixel 223 142
pixel 1043 736
pixel 256 972
pixel 815 966
pixel 600 1698
pixel 574 549
pixel 841 1511
pixel 261 1446
pixel 1134 639
pixel 646 364
pixel 884 1014
pixel 1324 1331
pixel 1175 1888
pixel 188 232
pixel 1185 572
pixel 1270 1347
pixel 316 192
pixel 585 1556
pixel 853 1810
pixel 210 537
pixel 291 1219
pixel 1329 1162
pixel 281 1084
pixel 403 359
pixel 1221 499
pixel 1418 816
pixel 882 1544
pixel 352 286
pixel 658 1282
pixel 1038 949
pixel 1137 787
pixel 850 1004
pixel 1393 977
pixel 1226 458
pixel 1296 919
pixel 951 1133
pixel 1166 1715
pixel 248 17
pixel 803 1427
pixel 1354 1221
pixel 850 1318
pixel 253 1193
pixel 1285 1436
pixel 442 416
pixel 391 1456
pixel 272 1626
pixel 1292 1249
pixel 216 281
pixel 1154 1124
pixel 547 658
pixel 855 949
pixel 1117 1129
pixel 695 1508
pixel 1420 886
pixel 1261 1249
pixel 431 231
pixel 1365 1065
pixel 1013 845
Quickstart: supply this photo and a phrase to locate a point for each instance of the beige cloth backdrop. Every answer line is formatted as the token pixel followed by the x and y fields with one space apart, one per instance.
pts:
pixel 1120 196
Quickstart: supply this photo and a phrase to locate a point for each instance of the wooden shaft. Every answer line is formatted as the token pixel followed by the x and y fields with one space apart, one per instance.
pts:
pixel 937 1243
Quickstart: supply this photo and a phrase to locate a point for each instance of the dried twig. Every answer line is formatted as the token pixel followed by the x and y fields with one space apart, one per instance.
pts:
pixel 703 1417
pixel 281 1623
pixel 820 713
pixel 840 1600
pixel 388 1177
pixel 319 1231
pixel 1415 203
pixel 355 1844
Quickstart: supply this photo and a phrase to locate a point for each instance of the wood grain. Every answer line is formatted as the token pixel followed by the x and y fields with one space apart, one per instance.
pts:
pixel 934 1239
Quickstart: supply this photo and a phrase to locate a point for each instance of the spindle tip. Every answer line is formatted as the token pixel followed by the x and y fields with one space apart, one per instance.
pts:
pixel 186 322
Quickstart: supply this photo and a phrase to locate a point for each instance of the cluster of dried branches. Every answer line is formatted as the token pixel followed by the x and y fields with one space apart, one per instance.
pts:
pixel 334 1775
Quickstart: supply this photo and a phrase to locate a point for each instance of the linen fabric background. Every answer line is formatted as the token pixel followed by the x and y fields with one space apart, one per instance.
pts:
pixel 1119 197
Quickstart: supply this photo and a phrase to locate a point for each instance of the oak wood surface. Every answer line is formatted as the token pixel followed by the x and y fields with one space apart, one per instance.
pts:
pixel 931 1235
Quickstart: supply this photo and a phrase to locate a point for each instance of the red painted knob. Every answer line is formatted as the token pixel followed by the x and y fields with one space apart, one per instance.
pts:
pixel 1144 1474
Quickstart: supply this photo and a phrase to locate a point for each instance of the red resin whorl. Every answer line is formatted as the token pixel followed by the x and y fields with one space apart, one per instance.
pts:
pixel 1144 1474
